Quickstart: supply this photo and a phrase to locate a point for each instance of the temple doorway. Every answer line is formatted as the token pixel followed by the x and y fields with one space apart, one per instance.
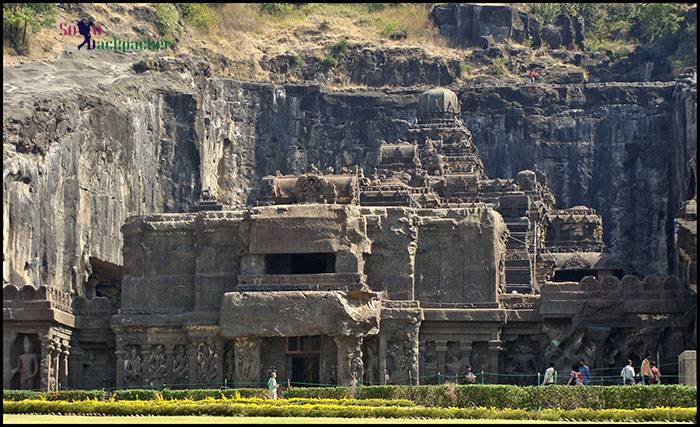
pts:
pixel 303 360
pixel 305 371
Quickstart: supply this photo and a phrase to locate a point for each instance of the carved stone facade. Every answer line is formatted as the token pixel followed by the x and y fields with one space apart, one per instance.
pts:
pixel 406 276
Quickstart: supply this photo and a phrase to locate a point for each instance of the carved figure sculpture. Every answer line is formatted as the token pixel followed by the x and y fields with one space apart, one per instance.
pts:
pixel 133 367
pixel 429 363
pixel 27 366
pixel 393 362
pixel 371 362
pixel 158 364
pixel 454 362
pixel 207 363
pixel 180 372
pixel 356 370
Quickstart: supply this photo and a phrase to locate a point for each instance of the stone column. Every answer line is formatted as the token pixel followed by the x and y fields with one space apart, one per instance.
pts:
pixel 45 369
pixel 382 360
pixel 350 365
pixel 8 338
pixel 63 364
pixel 120 367
pixel 412 358
pixel 494 357
pixel 246 351
pixel 56 364
pixel 192 365
pixel 146 379
pixel 169 377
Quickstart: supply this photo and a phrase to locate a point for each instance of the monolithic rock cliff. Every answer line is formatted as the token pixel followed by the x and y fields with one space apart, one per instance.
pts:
pixel 85 146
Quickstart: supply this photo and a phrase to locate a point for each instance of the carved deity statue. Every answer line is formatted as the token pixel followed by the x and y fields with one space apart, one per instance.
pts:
pixel 454 362
pixel 371 362
pixel 180 373
pixel 393 363
pixel 27 366
pixel 429 362
pixel 158 364
pixel 207 363
pixel 133 368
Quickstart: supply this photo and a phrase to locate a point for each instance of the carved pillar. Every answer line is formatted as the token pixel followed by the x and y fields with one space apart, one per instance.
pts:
pixel 382 360
pixel 411 357
pixel 48 379
pixel 169 376
pixel 147 377
pixel 350 365
pixel 192 365
pixel 247 361
pixel 494 356
pixel 8 338
pixel 63 364
pixel 120 367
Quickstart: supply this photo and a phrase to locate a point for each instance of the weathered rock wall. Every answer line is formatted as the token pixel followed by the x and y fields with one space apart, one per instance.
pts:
pixel 73 175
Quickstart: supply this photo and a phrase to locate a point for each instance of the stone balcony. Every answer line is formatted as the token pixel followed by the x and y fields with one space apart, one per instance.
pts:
pixel 302 282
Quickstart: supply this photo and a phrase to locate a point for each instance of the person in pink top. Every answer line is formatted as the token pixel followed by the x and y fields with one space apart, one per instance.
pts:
pixel 655 374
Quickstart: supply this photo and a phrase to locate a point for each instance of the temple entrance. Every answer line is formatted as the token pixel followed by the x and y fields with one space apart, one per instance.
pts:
pixel 310 263
pixel 305 371
pixel 303 355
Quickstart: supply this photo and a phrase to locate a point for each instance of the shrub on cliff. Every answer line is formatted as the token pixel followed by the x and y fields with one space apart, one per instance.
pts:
pixel 19 20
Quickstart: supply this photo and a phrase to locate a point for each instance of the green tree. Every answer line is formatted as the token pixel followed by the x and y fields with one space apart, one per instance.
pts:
pixel 21 19
pixel 656 20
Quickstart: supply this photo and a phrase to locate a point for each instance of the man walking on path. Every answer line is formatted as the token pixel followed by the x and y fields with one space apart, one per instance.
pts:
pixel 645 370
pixel 627 373
pixel 585 371
pixel 272 385
pixel 549 375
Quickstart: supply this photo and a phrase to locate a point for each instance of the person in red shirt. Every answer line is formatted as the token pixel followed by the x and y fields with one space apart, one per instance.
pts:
pixel 532 76
pixel 655 374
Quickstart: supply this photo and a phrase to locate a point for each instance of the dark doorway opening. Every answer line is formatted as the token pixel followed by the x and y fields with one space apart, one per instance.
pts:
pixel 311 263
pixel 305 371
pixel 572 275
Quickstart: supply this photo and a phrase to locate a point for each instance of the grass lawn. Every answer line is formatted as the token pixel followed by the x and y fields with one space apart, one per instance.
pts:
pixel 70 419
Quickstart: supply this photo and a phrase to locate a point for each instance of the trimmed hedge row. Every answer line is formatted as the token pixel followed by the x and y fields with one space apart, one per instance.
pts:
pixel 496 396
pixel 528 397
pixel 222 408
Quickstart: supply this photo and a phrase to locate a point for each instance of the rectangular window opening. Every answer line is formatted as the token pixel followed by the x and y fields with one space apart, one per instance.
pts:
pixel 309 263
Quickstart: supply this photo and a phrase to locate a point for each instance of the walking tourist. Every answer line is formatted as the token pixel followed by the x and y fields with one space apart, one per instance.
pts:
pixel 549 375
pixel 469 377
pixel 585 372
pixel 645 370
pixel 531 76
pixel 573 375
pixel 655 373
pixel 627 373
pixel 272 385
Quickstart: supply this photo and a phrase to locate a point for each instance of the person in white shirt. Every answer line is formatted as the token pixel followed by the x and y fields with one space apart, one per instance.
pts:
pixel 549 375
pixel 627 373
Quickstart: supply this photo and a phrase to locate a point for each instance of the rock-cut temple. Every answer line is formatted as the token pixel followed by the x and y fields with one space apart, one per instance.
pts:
pixel 403 274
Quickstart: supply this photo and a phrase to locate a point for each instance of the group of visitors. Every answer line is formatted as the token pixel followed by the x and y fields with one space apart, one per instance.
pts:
pixel 649 373
pixel 580 373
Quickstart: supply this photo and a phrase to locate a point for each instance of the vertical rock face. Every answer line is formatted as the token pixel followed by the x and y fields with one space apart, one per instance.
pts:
pixel 72 176
pixel 469 24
